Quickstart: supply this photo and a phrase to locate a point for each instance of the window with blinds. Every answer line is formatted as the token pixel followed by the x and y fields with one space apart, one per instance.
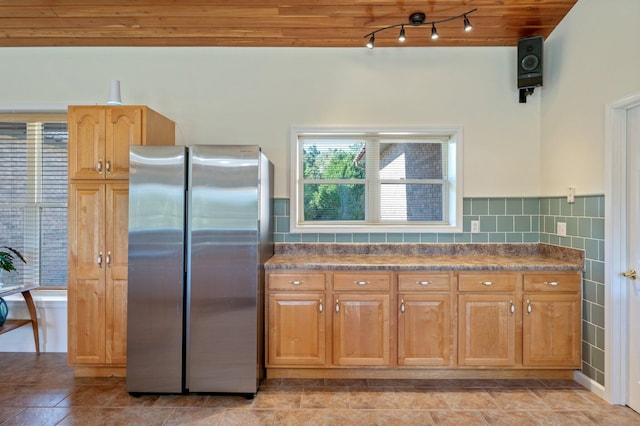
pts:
pixel 376 181
pixel 33 199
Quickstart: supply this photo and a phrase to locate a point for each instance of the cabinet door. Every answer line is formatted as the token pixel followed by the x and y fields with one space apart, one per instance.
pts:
pixel 486 330
pixel 117 204
pixel 123 128
pixel 86 289
pixel 361 329
pixel 296 324
pixel 424 329
pixel 551 330
pixel 86 143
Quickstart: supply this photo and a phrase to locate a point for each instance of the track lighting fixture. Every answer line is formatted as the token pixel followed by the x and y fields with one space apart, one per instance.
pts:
pixel 401 37
pixel 434 32
pixel 371 41
pixel 418 19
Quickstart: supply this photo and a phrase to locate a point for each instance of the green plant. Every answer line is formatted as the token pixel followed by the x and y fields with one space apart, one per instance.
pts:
pixel 7 257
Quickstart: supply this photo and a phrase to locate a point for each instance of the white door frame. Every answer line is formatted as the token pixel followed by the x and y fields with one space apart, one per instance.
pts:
pixel 616 311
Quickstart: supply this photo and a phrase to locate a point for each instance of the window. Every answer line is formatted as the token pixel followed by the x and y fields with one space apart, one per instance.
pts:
pixel 33 197
pixel 376 180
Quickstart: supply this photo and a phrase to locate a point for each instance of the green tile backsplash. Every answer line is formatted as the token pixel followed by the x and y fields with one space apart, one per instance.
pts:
pixel 512 220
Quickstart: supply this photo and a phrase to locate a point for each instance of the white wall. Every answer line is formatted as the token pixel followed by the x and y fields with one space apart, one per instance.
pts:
pixel 254 95
pixel 592 58
pixel 51 306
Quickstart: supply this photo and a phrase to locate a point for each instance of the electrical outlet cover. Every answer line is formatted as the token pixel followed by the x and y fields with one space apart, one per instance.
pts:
pixel 561 229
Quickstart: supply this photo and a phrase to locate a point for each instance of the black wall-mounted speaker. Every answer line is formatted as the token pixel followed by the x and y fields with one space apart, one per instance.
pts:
pixel 530 62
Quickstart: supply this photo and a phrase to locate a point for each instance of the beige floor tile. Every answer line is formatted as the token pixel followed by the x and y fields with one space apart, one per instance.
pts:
pixel 403 417
pixel 352 417
pixel 236 417
pixel 325 398
pixel 38 416
pixel 517 399
pixel 468 399
pixel 94 416
pixel 457 418
pixel 509 418
pixel 196 416
pixel 309 417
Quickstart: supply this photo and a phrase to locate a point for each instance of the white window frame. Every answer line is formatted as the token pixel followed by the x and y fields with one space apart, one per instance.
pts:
pixel 452 223
pixel 32 208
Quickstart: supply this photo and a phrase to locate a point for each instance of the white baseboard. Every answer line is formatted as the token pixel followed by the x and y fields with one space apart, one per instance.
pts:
pixel 589 384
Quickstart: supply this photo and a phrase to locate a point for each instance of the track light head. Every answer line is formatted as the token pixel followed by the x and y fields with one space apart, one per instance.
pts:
pixel 371 41
pixel 467 25
pixel 434 32
pixel 401 37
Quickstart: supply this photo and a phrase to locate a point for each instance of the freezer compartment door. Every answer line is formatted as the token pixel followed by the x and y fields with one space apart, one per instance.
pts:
pixel 156 269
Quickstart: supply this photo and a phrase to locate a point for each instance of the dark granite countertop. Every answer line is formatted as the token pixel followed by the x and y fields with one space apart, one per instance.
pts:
pixel 421 257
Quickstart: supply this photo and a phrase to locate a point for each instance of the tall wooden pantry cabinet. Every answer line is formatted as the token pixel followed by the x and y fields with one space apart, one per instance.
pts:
pixel 99 140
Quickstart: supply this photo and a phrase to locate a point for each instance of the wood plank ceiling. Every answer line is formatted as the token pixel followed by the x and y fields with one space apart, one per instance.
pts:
pixel 303 23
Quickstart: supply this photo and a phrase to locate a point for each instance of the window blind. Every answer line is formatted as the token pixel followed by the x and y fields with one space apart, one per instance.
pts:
pixel 33 200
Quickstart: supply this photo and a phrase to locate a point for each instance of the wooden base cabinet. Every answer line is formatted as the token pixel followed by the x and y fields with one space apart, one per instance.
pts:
pixel 425 322
pixel 99 140
pixel 296 326
pixel 551 321
pixel 361 329
pixel 296 319
pixel 448 324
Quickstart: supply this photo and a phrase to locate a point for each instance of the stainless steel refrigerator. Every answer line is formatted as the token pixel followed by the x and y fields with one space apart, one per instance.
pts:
pixel 199 234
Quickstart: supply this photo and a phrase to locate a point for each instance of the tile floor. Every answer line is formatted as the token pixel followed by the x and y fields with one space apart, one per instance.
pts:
pixel 41 390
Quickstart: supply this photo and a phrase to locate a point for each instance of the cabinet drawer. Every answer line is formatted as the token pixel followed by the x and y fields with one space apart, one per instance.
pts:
pixel 428 281
pixel 486 281
pixel 552 282
pixel 296 281
pixel 362 281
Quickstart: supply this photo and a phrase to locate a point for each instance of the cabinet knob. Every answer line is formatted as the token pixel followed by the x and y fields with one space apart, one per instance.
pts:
pixel 99 259
pixel 296 282
pixel 487 283
pixel 528 307
pixel 337 305
pixel 552 283
pixel 320 306
pixel 362 283
pixel 402 305
pixel 512 308
pixel 108 167
pixel 99 167
pixel 423 283
pixel 108 259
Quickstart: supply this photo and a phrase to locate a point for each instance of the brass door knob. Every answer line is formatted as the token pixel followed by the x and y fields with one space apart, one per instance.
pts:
pixel 631 273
